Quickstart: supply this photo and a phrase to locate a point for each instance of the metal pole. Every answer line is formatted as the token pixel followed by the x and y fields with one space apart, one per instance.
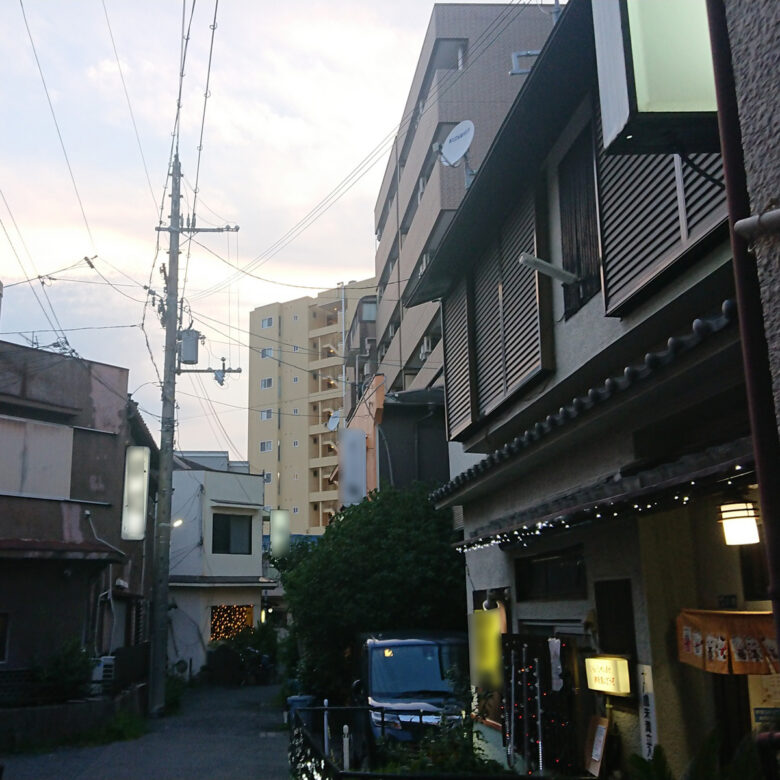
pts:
pixel 539 714
pixel 325 735
pixel 526 718
pixel 510 748
pixel 165 487
pixel 755 352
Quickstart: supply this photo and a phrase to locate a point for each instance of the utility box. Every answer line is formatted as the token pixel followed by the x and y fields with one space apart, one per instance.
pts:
pixel 189 346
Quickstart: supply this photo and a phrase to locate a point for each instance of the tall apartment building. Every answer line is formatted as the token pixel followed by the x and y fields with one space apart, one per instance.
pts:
pixel 462 73
pixel 296 383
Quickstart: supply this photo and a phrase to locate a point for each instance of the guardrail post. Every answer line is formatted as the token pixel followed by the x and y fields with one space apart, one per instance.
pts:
pixel 346 747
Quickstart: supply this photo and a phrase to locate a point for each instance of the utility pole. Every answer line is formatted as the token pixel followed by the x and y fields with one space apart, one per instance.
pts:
pixel 159 638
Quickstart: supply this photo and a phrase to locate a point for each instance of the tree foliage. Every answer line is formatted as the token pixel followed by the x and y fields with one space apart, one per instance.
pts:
pixel 384 564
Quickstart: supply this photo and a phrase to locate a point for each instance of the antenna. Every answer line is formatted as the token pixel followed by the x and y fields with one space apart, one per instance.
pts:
pixel 455 148
pixel 333 420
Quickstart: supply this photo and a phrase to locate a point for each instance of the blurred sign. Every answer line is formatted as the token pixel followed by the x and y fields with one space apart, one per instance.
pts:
pixel 609 674
pixel 136 493
pixel 352 466
pixel 485 648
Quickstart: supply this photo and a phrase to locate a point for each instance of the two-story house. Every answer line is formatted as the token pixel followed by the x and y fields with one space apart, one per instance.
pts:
pixel 216 576
pixel 605 388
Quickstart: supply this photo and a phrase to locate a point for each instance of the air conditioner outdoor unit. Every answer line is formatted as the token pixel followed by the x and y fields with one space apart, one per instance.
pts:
pixel 103 675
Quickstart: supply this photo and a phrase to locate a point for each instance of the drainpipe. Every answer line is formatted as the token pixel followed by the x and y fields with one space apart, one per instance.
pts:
pixel 755 353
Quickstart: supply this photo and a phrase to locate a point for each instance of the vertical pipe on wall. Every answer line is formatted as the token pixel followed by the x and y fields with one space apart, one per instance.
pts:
pixel 755 354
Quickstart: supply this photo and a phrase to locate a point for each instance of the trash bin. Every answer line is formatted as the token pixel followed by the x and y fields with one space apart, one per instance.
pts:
pixel 295 703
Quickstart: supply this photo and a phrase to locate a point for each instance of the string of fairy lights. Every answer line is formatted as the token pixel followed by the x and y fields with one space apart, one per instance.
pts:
pixel 227 620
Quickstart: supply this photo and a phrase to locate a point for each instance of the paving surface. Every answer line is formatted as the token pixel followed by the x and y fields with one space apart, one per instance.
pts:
pixel 219 733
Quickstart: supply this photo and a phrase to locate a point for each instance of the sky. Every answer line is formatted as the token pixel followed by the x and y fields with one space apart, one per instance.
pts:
pixel 300 94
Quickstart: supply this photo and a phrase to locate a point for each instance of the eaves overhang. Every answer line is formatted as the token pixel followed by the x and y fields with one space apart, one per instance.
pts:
pixel 560 78
pixel 462 487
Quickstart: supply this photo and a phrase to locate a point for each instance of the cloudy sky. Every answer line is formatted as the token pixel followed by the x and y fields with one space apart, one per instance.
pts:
pixel 301 93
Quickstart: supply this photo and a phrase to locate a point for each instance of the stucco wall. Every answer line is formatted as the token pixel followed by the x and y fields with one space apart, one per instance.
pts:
pixel 753 35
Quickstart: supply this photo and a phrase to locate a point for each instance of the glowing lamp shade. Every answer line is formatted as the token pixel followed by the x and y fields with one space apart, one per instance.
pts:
pixel 740 522
pixel 608 674
pixel 280 532
pixel 136 493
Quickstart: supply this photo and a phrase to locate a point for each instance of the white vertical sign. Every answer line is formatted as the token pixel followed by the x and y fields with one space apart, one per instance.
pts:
pixel 352 466
pixel 647 724
pixel 136 493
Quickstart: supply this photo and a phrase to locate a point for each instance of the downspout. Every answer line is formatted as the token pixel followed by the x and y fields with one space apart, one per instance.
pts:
pixel 755 353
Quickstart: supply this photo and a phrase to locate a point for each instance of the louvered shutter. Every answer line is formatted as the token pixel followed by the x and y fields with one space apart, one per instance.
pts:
pixel 457 381
pixel 488 342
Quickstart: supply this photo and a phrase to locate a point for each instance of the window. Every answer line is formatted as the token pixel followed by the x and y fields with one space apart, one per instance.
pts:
pixel 295 410
pixel 295 476
pixel 295 317
pixel 231 534
pixel 295 380
pixel 267 352
pixel 295 510
pixel 554 576
pixel 266 414
pixel 267 322
pixel 295 442
pixel 267 477
pixel 579 225
pixel 266 382
pixel 295 348
pixel 266 446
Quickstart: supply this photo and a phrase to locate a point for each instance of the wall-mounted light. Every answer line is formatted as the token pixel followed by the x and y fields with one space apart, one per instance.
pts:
pixel 740 522
pixel 178 522
pixel 608 674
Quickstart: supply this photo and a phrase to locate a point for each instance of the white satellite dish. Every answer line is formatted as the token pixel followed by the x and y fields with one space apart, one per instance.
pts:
pixel 333 420
pixel 457 143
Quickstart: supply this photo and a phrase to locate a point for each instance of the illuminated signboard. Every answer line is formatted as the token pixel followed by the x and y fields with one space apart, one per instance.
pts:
pixel 136 493
pixel 608 674
pixel 656 82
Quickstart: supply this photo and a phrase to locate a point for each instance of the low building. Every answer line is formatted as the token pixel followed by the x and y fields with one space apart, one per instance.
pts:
pixel 68 573
pixel 217 584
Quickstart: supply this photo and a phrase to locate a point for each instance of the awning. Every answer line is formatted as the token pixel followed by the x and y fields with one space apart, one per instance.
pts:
pixel 728 642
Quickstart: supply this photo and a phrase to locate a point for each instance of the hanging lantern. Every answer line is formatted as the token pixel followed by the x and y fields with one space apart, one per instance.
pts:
pixel 740 522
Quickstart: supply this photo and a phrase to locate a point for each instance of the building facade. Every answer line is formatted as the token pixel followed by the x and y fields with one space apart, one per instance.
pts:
pixel 605 388
pixel 297 382
pixel 67 572
pixel 216 577
pixel 463 74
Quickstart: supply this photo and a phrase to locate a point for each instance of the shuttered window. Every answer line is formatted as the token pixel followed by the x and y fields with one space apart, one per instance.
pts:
pixel 457 368
pixel 520 309
pixel 579 222
pixel 652 209
pixel 499 300
pixel 488 336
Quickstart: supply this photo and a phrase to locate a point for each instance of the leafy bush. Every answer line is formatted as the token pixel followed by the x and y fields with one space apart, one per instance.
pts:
pixel 385 564
pixel 174 691
pixel 67 673
pixel 452 748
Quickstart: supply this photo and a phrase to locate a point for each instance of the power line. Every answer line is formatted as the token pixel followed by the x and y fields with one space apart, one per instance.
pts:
pixel 129 105
pixel 478 49
pixel 56 125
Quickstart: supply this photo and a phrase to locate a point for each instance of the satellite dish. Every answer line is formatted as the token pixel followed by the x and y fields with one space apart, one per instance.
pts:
pixel 333 421
pixel 457 143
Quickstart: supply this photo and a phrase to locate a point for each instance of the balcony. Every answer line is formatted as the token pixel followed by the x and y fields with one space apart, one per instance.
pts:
pixel 325 495
pixel 326 330
pixel 333 361
pixel 324 462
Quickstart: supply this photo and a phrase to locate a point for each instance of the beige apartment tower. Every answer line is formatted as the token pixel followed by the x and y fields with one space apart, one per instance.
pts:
pixel 296 384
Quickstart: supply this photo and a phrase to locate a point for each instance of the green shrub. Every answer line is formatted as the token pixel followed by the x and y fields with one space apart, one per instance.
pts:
pixel 66 674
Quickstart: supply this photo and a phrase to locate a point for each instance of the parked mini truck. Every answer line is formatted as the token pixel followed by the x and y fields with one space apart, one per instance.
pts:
pixel 411 681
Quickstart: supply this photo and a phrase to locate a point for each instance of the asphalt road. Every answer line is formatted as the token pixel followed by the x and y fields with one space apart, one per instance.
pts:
pixel 219 733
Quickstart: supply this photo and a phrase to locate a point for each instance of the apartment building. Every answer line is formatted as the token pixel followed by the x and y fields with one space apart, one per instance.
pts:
pixel 297 383
pixel 463 73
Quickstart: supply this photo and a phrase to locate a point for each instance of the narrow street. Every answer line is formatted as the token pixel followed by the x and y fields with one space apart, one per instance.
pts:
pixel 219 733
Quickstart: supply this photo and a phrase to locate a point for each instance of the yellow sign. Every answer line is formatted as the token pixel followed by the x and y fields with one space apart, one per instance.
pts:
pixel 485 648
pixel 609 674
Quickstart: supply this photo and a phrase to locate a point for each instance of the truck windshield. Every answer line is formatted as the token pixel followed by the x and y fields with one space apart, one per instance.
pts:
pixel 415 670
